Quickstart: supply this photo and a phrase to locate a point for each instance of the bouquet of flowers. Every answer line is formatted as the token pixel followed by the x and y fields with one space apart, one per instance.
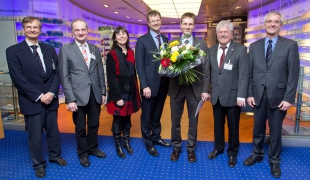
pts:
pixel 177 59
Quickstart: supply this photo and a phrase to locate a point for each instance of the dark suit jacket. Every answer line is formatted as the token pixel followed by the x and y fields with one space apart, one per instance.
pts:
pixel 76 78
pixel 227 85
pixel 27 77
pixel 198 86
pixel 147 68
pixel 281 77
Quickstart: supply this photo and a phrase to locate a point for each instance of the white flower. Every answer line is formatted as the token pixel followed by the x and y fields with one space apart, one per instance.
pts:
pixel 170 67
pixel 174 48
pixel 162 52
pixel 188 46
pixel 202 53
pixel 184 52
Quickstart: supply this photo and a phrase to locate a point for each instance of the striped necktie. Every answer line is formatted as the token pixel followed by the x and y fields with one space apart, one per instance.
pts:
pixel 84 53
pixel 268 53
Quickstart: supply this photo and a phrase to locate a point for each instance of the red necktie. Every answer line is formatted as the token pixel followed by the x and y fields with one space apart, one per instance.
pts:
pixel 222 57
pixel 159 42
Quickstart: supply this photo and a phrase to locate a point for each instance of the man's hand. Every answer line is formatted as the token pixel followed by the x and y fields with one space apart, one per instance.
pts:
pixel 251 101
pixel 205 97
pixel 103 99
pixel 120 103
pixel 241 103
pixel 147 92
pixel 284 106
pixel 72 107
pixel 47 98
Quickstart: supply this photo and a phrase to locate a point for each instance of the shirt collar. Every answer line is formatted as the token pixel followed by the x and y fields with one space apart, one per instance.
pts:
pixel 154 34
pixel 227 45
pixel 79 44
pixel 30 44
pixel 274 40
pixel 190 39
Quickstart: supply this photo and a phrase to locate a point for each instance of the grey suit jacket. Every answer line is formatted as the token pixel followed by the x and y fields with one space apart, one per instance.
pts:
pixel 281 77
pixel 198 86
pixel 76 79
pixel 226 84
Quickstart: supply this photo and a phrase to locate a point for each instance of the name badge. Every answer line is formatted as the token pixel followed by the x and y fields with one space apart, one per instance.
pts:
pixel 92 56
pixel 228 66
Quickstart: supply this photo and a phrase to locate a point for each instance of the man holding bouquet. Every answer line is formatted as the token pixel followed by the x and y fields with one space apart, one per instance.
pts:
pixel 191 93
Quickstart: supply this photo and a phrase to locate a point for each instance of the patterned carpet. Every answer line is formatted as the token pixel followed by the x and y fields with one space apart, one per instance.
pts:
pixel 15 162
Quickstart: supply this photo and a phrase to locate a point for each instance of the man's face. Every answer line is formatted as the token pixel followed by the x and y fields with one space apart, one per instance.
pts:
pixel 224 35
pixel 187 25
pixel 79 31
pixel 154 23
pixel 272 25
pixel 32 29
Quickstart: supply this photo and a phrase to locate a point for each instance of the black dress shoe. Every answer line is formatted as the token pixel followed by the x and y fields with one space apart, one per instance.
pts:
pixel 214 154
pixel 191 156
pixel 161 142
pixel 60 161
pixel 175 154
pixel 40 172
pixel 84 161
pixel 98 154
pixel 152 151
pixel 275 170
pixel 232 161
pixel 250 161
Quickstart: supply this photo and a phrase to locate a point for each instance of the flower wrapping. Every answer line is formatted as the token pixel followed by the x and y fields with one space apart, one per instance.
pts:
pixel 178 60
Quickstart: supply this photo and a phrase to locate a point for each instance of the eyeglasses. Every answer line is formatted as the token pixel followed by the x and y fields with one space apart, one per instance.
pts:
pixel 271 21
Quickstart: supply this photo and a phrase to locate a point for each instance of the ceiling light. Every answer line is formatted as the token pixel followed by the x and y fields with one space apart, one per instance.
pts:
pixel 174 8
pixel 139 20
pixel 237 7
pixel 127 17
pixel 172 22
pixel 116 12
pixel 250 0
pixel 105 5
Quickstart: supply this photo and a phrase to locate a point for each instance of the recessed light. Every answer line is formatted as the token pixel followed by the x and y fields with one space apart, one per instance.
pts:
pixel 237 7
pixel 127 17
pixel 139 20
pixel 172 22
pixel 250 0
pixel 116 12
pixel 105 5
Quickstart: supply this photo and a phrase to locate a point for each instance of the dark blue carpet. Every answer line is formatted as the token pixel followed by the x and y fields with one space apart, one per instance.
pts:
pixel 15 162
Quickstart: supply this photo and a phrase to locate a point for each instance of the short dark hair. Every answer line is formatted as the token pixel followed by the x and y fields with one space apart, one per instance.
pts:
pixel 152 13
pixel 188 15
pixel 116 31
pixel 30 19
pixel 76 20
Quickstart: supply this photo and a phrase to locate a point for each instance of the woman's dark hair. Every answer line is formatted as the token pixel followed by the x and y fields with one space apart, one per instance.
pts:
pixel 116 31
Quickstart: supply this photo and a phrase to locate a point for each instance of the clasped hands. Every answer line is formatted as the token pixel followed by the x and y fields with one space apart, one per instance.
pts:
pixel 47 98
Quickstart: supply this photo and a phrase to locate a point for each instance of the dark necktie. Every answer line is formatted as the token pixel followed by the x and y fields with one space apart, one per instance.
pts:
pixel 186 41
pixel 269 52
pixel 37 57
pixel 159 42
pixel 222 57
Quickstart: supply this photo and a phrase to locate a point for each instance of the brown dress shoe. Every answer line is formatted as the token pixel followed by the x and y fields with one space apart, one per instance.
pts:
pixel 191 156
pixel 175 154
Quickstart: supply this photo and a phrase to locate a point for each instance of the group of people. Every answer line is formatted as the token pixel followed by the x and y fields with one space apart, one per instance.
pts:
pixel 265 78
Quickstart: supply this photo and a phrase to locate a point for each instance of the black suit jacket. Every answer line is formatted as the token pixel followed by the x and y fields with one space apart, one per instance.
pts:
pixel 147 68
pixel 281 77
pixel 27 77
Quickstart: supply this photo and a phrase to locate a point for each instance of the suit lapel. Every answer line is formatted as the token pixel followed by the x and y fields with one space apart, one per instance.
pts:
pixel 261 52
pixel 78 52
pixel 276 50
pixel 93 62
pixel 151 41
pixel 30 58
pixel 230 51
pixel 213 57
pixel 46 58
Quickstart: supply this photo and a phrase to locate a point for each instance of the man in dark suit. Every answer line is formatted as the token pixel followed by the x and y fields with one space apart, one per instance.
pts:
pixel 82 79
pixel 32 67
pixel 229 81
pixel 192 93
pixel 153 87
pixel 274 70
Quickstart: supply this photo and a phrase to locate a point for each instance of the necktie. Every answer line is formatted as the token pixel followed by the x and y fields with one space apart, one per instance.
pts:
pixel 84 53
pixel 186 41
pixel 159 42
pixel 37 57
pixel 222 57
pixel 269 52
